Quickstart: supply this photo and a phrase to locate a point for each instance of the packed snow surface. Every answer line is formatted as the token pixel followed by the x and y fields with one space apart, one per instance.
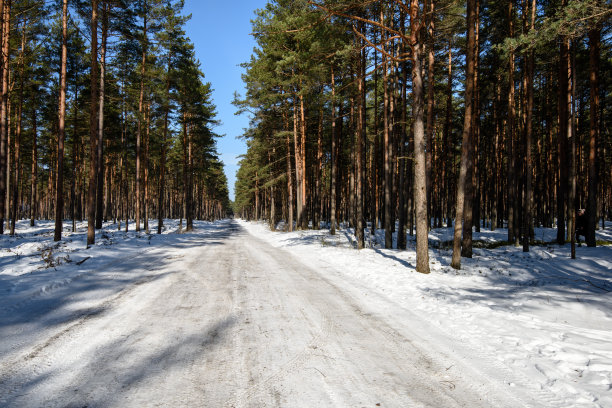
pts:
pixel 235 315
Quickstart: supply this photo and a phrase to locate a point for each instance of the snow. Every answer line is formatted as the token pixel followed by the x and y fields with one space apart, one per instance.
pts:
pixel 539 321
pixel 100 325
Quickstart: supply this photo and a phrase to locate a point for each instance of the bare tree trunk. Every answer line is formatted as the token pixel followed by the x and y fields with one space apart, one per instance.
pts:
pixel 420 158
pixel 34 171
pixel 318 193
pixel 447 135
pixel 140 116
pixel 404 162
pixel 469 92
pixel 5 9
pixel 360 136
pixel 528 217
pixel 388 151
pixel 302 185
pixel 299 177
pixel 18 132
pixel 162 164
pixel 512 148
pixel 289 182
pixel 100 184
pixel 430 104
pixel 594 51
pixel 334 158
pixel 146 167
pixel 187 175
pixel 572 136
pixel 476 193
pixel 93 128
pixel 562 142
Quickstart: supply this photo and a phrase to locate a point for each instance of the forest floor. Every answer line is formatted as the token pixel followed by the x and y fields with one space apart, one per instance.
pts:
pixel 235 315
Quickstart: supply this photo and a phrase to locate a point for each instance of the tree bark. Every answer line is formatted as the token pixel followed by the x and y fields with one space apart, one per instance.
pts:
pixel 334 158
pixel 59 185
pixel 512 148
pixel 100 184
pixel 572 136
pixel 162 164
pixel 360 136
pixel 562 137
pixel 146 167
pixel 93 128
pixel 528 217
pixel 15 211
pixel 466 134
pixel 140 116
pixel 5 9
pixel 420 167
pixel 34 171
pixel 388 151
pixel 448 156
pixel 430 105
pixel 591 211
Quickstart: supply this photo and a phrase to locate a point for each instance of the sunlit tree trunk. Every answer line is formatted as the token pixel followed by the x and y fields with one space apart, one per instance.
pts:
pixel 93 128
pixel 100 159
pixel 420 158
pixel 334 158
pixel 141 118
pixel 15 211
pixel 467 121
pixel 5 9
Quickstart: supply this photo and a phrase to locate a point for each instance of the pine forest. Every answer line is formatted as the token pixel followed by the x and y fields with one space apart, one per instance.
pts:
pixel 415 115
pixel 105 115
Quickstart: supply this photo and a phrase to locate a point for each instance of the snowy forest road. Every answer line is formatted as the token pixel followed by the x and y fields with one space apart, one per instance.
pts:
pixel 223 319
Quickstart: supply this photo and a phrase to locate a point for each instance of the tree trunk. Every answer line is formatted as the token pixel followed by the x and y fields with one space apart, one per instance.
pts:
pixel 162 164
pixel 572 136
pixel 5 9
pixel 146 167
pixel 59 185
pixel 403 163
pixel 34 171
pixel 562 138
pixel 304 217
pixel 93 128
pixel 388 151
pixel 360 136
pixel 448 156
pixel 18 132
pixel 299 180
pixel 100 185
pixel 140 116
pixel 466 135
pixel 591 211
pixel 334 158
pixel 528 217
pixel 420 158
pixel 512 148
pixel 430 104
pixel 289 181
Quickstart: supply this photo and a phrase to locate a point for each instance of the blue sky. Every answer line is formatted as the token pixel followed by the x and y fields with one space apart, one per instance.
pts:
pixel 220 31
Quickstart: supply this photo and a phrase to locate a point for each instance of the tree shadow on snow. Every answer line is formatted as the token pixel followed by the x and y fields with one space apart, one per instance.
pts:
pixel 123 368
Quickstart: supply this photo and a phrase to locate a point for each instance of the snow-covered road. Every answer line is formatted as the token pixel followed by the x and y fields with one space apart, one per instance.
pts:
pixel 226 319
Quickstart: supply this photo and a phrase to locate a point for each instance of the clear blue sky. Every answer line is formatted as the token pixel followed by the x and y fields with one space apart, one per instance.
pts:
pixel 221 32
